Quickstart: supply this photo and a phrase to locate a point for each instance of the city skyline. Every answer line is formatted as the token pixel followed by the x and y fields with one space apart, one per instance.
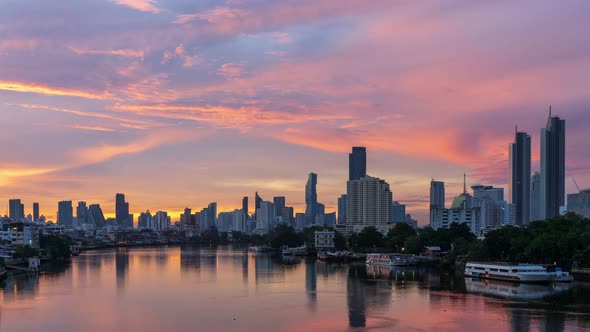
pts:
pixel 254 101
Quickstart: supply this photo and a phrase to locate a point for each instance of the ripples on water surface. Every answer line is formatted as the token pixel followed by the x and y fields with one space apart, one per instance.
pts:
pixel 229 289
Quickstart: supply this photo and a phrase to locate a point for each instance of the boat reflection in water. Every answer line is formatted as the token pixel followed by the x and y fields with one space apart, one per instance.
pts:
pixel 514 290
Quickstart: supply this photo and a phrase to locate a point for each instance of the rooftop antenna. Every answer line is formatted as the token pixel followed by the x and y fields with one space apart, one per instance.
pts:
pixel 464 183
pixel 576 184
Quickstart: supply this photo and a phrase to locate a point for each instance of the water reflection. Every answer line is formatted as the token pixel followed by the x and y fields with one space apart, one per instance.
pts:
pixel 171 289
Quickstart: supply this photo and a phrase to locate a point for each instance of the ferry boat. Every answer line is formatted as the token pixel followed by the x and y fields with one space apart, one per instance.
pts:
pixel 260 249
pixel 297 251
pixel 509 272
pixel 390 259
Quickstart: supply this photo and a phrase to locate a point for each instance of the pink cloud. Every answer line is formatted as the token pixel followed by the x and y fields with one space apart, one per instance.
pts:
pixel 141 5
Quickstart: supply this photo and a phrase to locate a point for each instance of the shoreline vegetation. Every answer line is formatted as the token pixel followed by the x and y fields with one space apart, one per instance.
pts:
pixel 563 241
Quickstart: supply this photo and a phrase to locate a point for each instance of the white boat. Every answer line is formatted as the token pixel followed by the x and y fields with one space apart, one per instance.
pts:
pixel 390 259
pixel 508 272
pixel 260 248
pixel 297 251
pixel 561 276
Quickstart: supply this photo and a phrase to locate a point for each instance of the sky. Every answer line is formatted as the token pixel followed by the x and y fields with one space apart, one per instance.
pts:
pixel 178 104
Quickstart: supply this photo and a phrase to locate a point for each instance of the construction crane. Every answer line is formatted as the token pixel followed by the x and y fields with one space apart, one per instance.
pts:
pixel 576 184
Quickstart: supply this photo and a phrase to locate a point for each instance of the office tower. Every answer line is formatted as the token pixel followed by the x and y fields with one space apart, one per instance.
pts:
pixel 239 221
pixel 552 166
pixel 185 218
pixel 443 218
pixel 121 210
pixel 357 163
pixel 536 197
pixel 212 215
pixel 160 221
pixel 299 221
pixel 145 220
pixel 265 217
pixel 398 212
pixel 245 205
pixel 369 202
pixel 65 213
pixel 225 221
pixel 579 203
pixel 288 215
pixel 95 216
pixel 81 214
pixel 279 203
pixel 520 176
pixel 35 211
pixel 257 200
pixel 437 194
pixel 329 219
pixel 16 209
pixel 342 209
pixel 311 199
pixel 492 206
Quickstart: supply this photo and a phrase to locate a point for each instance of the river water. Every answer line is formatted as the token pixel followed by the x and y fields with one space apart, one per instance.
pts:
pixel 229 289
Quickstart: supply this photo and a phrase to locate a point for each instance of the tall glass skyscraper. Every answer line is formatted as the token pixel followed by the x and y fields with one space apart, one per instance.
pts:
pixel 65 213
pixel 520 176
pixel 357 163
pixel 121 210
pixel 437 194
pixel 311 199
pixel 552 166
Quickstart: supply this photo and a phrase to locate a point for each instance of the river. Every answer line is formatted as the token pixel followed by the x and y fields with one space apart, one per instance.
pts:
pixel 229 289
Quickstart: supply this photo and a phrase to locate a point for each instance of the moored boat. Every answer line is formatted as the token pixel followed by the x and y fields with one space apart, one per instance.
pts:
pixel 262 248
pixel 509 272
pixel 390 259
pixel 297 251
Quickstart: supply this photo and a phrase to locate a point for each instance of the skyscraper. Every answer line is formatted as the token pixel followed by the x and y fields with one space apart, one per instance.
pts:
pixel 536 197
pixel 369 203
pixel 398 212
pixel 121 210
pixel 35 211
pixel 437 194
pixel 311 199
pixel 16 210
pixel 357 163
pixel 95 216
pixel 520 176
pixel 81 214
pixel 279 203
pixel 65 213
pixel 245 205
pixel 342 209
pixel 552 166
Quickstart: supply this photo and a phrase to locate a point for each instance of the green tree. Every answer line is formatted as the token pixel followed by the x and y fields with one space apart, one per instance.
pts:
pixel 397 236
pixel 369 239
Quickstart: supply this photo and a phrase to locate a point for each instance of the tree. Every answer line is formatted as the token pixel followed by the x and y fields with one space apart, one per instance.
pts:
pixel 397 236
pixel 339 241
pixel 57 247
pixel 25 252
pixel 284 235
pixel 369 239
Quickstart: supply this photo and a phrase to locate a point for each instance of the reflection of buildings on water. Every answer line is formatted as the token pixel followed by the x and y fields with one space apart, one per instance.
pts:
pixel 245 267
pixel 511 290
pixel 161 255
pixel 311 283
pixel 520 320
pixel 20 287
pixel 364 293
pixel 209 263
pixel 121 266
pixel 263 267
pixel 190 258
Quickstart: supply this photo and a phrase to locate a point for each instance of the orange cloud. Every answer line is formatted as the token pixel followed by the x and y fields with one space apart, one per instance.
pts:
pixel 19 43
pixel 231 70
pixel 141 5
pixel 215 15
pixel 226 116
pixel 127 53
pixel 47 90
pixel 127 122
pixel 92 128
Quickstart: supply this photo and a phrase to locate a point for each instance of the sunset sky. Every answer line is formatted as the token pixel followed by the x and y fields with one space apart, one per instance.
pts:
pixel 180 103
